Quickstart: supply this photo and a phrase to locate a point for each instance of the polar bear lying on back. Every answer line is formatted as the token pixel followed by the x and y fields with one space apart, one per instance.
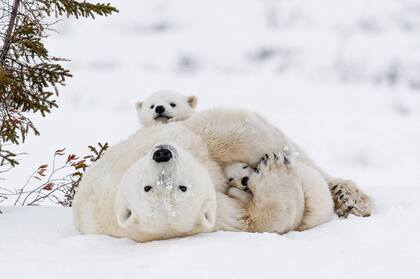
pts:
pixel 165 106
pixel 168 181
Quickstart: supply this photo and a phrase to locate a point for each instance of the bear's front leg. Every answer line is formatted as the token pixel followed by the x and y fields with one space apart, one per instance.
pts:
pixel 277 204
pixel 348 198
pixel 242 195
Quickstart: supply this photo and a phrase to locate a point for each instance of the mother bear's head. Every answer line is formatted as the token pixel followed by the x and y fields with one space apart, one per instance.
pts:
pixel 166 193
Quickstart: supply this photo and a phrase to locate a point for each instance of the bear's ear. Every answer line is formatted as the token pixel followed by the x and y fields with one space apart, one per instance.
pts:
pixel 139 105
pixel 192 101
pixel 208 215
pixel 125 217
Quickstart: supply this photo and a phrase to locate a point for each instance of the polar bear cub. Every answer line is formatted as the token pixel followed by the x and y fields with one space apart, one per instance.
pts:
pixel 237 175
pixel 165 106
pixel 300 189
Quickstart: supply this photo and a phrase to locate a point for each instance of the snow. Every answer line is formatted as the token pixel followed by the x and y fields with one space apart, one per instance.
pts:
pixel 341 78
pixel 41 242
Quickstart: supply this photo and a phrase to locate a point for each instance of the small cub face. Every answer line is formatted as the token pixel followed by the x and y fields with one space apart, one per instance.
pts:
pixel 237 175
pixel 164 107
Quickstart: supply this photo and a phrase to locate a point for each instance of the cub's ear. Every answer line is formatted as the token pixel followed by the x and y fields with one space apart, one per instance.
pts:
pixel 192 101
pixel 139 105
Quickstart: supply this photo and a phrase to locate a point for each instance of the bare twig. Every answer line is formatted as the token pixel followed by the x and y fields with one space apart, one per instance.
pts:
pixel 57 184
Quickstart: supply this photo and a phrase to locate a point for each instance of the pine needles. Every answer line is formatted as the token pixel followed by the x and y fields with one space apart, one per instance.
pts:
pixel 29 75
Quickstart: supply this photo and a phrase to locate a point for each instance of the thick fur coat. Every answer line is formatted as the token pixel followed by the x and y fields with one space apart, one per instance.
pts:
pixel 113 188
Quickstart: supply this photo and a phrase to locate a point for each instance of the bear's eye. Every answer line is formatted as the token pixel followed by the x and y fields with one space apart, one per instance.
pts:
pixel 173 105
pixel 147 188
pixel 230 179
pixel 182 188
pixel 152 106
pixel 245 167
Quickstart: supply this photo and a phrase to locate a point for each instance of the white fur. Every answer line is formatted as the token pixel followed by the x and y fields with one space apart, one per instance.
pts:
pixel 115 183
pixel 246 137
pixel 318 206
pixel 278 202
pixel 177 108
pixel 236 172
pixel 242 195
pixel 288 182
pixel 164 207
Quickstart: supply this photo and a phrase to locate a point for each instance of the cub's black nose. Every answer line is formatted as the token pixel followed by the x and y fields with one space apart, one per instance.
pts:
pixel 162 155
pixel 160 109
pixel 244 180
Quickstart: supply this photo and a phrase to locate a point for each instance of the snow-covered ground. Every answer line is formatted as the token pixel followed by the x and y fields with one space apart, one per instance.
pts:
pixel 342 78
pixel 41 242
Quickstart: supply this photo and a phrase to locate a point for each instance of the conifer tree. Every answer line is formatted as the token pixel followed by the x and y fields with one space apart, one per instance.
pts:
pixel 29 75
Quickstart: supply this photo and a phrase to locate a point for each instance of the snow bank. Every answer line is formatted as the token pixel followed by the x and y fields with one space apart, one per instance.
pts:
pixel 40 242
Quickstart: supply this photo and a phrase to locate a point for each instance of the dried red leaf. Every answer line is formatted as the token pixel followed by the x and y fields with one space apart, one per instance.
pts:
pixel 71 157
pixel 80 164
pixel 43 166
pixel 60 152
pixel 49 186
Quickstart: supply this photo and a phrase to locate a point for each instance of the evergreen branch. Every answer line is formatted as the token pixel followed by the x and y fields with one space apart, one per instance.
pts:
pixel 77 9
pixel 29 76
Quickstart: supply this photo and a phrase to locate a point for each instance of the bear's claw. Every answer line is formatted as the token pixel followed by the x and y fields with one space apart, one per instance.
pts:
pixel 274 161
pixel 287 156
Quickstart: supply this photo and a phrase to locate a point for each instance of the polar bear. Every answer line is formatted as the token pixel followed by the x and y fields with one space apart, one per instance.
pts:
pixel 237 177
pixel 298 193
pixel 133 182
pixel 301 190
pixel 167 199
pixel 137 189
pixel 307 200
pixel 165 106
pixel 232 141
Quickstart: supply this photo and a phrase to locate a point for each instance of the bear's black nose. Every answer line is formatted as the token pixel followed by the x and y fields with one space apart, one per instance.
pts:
pixel 244 180
pixel 160 109
pixel 162 155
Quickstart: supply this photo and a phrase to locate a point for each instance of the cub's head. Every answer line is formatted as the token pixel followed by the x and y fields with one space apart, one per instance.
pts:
pixel 165 194
pixel 237 175
pixel 165 106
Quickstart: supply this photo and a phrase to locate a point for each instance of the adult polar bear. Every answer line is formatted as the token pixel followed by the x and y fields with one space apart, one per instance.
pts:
pixel 128 193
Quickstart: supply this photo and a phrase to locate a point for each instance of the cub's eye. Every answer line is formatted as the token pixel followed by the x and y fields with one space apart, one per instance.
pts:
pixel 182 188
pixel 230 179
pixel 173 105
pixel 245 167
pixel 152 106
pixel 147 188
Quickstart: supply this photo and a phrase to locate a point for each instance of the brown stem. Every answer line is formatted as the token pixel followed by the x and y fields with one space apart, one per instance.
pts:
pixel 8 36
